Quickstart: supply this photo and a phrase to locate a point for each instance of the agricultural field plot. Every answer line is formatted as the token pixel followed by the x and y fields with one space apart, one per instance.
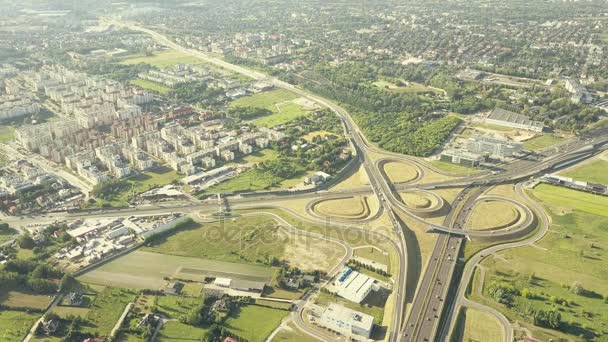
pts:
pixel 174 306
pixel 284 105
pixel 255 323
pixel 476 325
pixel 16 299
pixel 164 59
pixel 400 172
pixel 541 142
pixel 14 325
pixel 174 331
pixel 347 208
pixel 254 240
pixel 106 310
pixel 492 215
pixel 595 171
pixel 145 270
pixel 569 258
pixel 152 86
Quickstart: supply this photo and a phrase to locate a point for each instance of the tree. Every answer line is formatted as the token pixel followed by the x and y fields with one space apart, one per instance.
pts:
pixel 4 227
pixel 67 283
pixel 26 242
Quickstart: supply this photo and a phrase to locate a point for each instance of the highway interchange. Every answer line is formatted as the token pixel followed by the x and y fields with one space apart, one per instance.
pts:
pixel 431 315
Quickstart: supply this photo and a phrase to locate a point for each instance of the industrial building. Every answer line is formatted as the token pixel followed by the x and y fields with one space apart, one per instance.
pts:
pixel 506 118
pixel 461 157
pixel 495 147
pixel 354 286
pixel 347 322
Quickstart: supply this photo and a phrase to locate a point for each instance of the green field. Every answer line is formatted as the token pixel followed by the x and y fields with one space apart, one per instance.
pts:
pixel 541 142
pixel 14 325
pixel 479 326
pixel 453 168
pixel 148 85
pixel 573 251
pixel 174 306
pixel 276 101
pixel 145 270
pixel 106 310
pixel 174 331
pixel 7 133
pixel 594 172
pixel 255 323
pixel 572 199
pixel 164 59
pixel 142 182
pixel 249 240
pixel 6 235
pixel 292 334
pixel 16 299
pixel 253 180
pixel 256 157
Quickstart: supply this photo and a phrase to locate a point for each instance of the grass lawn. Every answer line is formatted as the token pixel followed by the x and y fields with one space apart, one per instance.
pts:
pixel 479 326
pixel 273 304
pixel 65 311
pixel 594 172
pixel 400 172
pixel 488 215
pixel 18 299
pixel 350 208
pixel 164 59
pixel 106 310
pixel 541 142
pixel 278 102
pixel 256 157
pixel 372 254
pixel 573 251
pixel 453 168
pixel 145 270
pixel 292 334
pixel 174 331
pixel 14 325
pixel 7 133
pixel 278 292
pixel 285 113
pixel 148 85
pixel 568 200
pixel 192 289
pixel 255 323
pixel 175 307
